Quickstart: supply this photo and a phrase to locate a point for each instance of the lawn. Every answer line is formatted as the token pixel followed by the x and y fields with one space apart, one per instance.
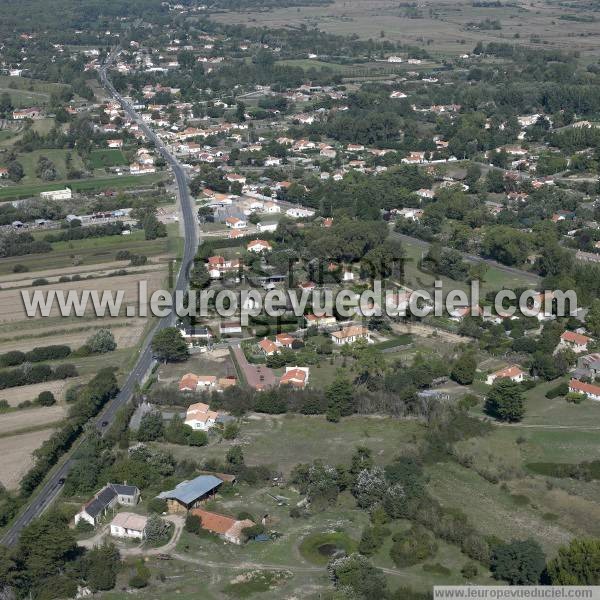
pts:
pixel 111 157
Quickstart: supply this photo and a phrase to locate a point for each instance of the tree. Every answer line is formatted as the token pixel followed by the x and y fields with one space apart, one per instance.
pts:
pixel 464 368
pixel 340 397
pixel 151 427
pixel 101 342
pixel 15 171
pixel 157 529
pixel 369 542
pixel 101 567
pixel 357 573
pixel 518 562
pixel 370 487
pixel 592 319
pixel 235 456
pixel 46 398
pixel 193 523
pixel 168 345
pixel 576 564
pixel 505 401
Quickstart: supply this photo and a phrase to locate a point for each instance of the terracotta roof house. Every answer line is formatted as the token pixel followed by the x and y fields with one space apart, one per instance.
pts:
pixel 580 387
pixel 284 339
pixel 199 416
pixel 268 347
pixel 228 528
pixel 513 373
pixel 259 246
pixel 192 383
pixel 349 335
pixel 575 341
pixel 295 376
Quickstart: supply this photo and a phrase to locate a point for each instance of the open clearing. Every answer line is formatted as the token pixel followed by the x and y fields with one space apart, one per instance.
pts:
pixel 14 396
pixel 30 417
pixel 16 455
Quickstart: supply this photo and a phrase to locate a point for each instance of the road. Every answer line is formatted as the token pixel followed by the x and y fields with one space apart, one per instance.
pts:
pixel 52 487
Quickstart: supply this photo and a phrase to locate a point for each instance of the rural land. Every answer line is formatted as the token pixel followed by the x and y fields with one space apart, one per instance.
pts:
pixel 255 149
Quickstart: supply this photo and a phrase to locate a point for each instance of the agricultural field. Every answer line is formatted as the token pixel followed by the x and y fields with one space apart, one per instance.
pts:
pixel 443 27
pixel 16 455
pixel 92 260
pixel 29 160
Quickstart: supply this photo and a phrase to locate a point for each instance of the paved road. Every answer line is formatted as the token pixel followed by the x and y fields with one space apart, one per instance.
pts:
pixel 52 488
pixel 471 257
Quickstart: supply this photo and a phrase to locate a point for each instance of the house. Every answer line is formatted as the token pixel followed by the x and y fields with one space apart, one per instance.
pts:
pixel 129 525
pixel 425 193
pixel 513 373
pixel 410 214
pixel 235 223
pixel 299 213
pixel 26 113
pixel 193 383
pixel 295 376
pixel 588 366
pixel 580 387
pixel 259 246
pixel 65 194
pixel 199 416
pixel 349 335
pixel 229 327
pixel 268 347
pixel 115 143
pixel 218 266
pixel 398 94
pixel 319 321
pixel 467 311
pixel 267 227
pixel 3 172
pixel 190 494
pixel 228 528
pixel 108 497
pixel 414 158
pixel 271 208
pixel 285 340
pixel 576 342
pixel 189 334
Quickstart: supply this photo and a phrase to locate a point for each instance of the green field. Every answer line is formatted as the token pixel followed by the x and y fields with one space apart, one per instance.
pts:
pixel 25 92
pixel 111 157
pixel 12 192
pixel 29 160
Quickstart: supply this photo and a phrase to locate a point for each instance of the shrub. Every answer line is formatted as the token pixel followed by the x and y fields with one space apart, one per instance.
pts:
pixel 562 389
pixel 46 398
pixel 193 523
pixel 19 268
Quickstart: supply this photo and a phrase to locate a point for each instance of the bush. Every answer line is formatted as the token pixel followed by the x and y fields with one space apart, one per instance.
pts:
pixel 39 281
pixel 412 546
pixel 562 389
pixel 193 523
pixel 157 505
pixel 19 268
pixel 46 399
pixel 101 342
pixel 469 571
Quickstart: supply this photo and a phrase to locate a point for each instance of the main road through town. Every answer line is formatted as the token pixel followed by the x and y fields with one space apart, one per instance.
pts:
pixel 52 486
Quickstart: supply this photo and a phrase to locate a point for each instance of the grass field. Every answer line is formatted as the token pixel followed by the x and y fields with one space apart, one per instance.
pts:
pixel 110 157
pixel 309 438
pixel 11 192
pixel 26 92
pixel 29 160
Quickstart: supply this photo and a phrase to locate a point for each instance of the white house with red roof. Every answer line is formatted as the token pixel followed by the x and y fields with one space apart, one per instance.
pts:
pixel 235 223
pixel 200 417
pixel 259 246
pixel 576 342
pixel 513 373
pixel 580 387
pixel 351 334
pixel 295 376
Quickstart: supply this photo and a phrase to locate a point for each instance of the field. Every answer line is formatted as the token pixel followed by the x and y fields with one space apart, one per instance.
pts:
pixel 11 192
pixel 441 27
pixel 93 261
pixel 25 92
pixel 107 158
pixel 308 438
pixel 15 455
pixel 29 160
